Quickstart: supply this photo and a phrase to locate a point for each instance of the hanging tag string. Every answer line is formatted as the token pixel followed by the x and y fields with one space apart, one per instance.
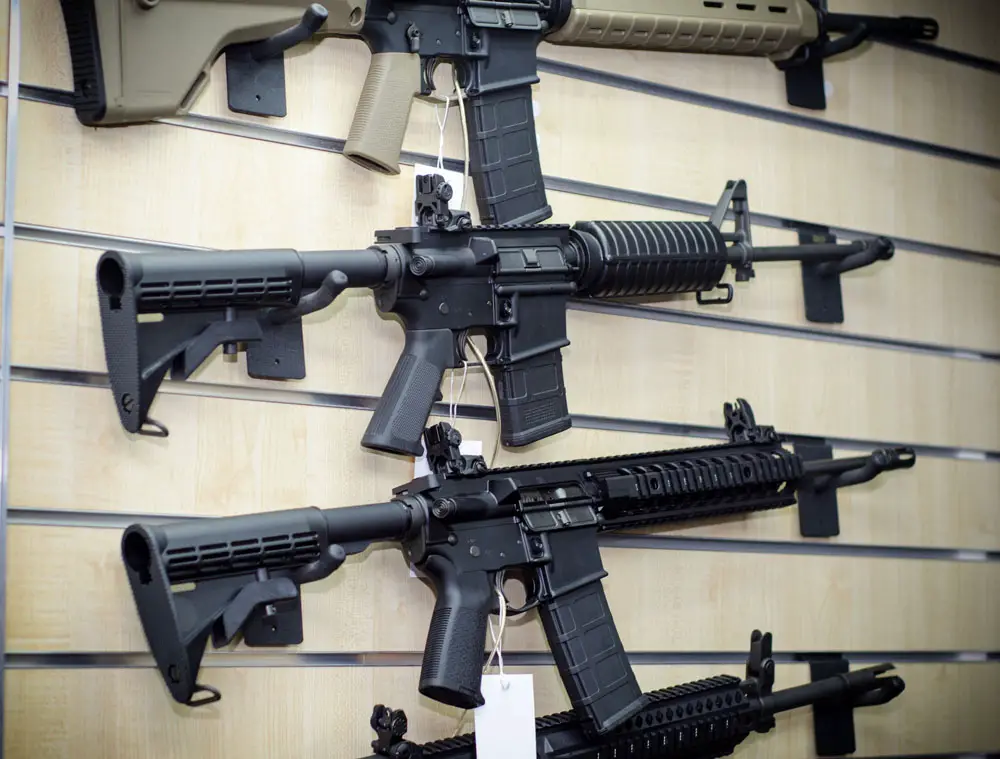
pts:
pixel 493 393
pixel 497 635
pixel 460 95
pixel 441 122
pixel 452 400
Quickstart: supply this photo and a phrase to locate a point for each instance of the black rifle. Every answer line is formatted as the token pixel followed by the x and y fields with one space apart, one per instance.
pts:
pixel 444 279
pixel 704 719
pixel 466 527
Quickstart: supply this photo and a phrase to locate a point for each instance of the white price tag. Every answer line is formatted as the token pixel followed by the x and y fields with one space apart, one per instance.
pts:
pixel 454 178
pixel 505 725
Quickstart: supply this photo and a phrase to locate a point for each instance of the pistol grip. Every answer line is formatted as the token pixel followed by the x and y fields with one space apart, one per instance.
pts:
pixel 503 158
pixel 452 668
pixel 401 413
pixel 532 399
pixel 380 120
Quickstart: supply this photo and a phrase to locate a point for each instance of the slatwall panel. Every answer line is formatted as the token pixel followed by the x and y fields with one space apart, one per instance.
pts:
pixel 913 574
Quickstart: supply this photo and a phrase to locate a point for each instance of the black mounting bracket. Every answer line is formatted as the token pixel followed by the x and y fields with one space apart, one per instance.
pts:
pixel 833 718
pixel 255 71
pixel 821 290
pixel 833 722
pixel 805 85
pixel 817 492
pixel 818 513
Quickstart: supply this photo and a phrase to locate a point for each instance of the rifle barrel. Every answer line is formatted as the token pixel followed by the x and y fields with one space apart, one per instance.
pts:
pixel 835 466
pixel 812 253
pixel 855 683
pixel 883 27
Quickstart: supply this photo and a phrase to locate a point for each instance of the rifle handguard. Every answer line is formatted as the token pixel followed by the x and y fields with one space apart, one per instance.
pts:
pixel 629 258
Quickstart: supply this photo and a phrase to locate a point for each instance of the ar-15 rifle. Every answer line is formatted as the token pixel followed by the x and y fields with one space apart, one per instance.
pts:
pixel 135 60
pixel 443 279
pixel 466 527
pixel 704 719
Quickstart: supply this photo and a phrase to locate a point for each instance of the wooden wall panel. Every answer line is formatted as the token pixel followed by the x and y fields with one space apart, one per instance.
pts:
pixel 885 89
pixel 67 592
pixel 698 600
pixel 127 713
pixel 4 34
pixel 3 148
pixel 228 457
pixel 891 200
pixel 44 45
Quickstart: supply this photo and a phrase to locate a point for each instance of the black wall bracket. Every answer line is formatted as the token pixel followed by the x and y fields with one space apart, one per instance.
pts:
pixel 805 84
pixel 833 718
pixel 255 71
pixel 818 514
pixel 821 290
pixel 255 87
pixel 817 493
pixel 833 722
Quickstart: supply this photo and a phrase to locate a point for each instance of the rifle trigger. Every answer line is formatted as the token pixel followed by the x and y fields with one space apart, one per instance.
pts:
pixel 728 298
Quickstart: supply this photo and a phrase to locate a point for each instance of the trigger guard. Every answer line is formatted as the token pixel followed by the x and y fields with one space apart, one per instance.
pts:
pixel 528 606
pixel 530 602
pixel 427 92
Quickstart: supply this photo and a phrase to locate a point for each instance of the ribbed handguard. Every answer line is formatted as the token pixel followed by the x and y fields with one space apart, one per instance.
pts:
pixel 691 26
pixel 628 258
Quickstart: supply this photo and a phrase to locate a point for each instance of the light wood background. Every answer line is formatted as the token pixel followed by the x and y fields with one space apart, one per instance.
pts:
pixel 235 449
